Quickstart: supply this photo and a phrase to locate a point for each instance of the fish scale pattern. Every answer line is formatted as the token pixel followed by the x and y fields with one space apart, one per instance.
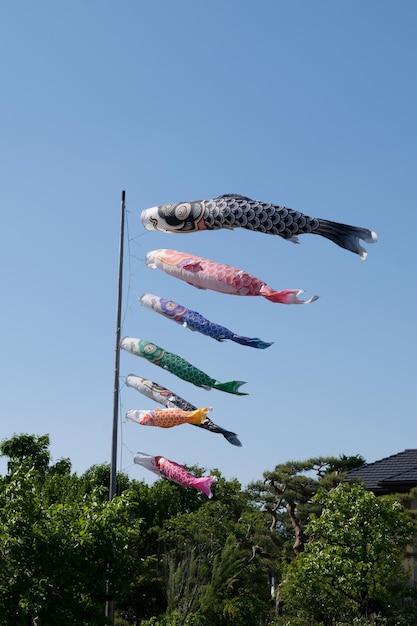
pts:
pixel 229 279
pixel 167 418
pixel 195 321
pixel 235 211
pixel 170 400
pixel 241 212
pixel 207 274
pixel 178 474
pixel 182 368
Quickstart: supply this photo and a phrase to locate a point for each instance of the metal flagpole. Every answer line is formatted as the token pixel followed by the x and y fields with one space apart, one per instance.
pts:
pixel 113 466
pixel 112 491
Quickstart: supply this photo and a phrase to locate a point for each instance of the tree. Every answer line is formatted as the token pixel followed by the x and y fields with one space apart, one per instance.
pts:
pixel 209 574
pixel 352 563
pixel 30 448
pixel 59 553
pixel 286 495
pixel 162 552
pixel 239 590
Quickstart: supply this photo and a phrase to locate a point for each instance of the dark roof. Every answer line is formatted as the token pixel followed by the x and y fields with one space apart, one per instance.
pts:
pixel 394 473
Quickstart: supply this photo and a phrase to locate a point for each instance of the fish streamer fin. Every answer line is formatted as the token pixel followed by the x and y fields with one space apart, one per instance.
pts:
pixel 231 386
pixel 204 484
pixel 192 266
pixel 199 415
pixel 346 236
pixel 232 438
pixel 286 296
pixel 196 286
pixel 253 342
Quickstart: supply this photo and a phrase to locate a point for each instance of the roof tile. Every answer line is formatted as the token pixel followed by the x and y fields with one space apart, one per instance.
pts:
pixel 380 475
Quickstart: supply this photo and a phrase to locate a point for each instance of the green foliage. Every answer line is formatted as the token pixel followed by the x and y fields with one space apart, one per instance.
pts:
pixel 238 592
pixel 206 554
pixel 58 556
pixel 168 556
pixel 157 506
pixel 26 448
pixel 344 463
pixel 286 495
pixel 351 567
pixel 176 619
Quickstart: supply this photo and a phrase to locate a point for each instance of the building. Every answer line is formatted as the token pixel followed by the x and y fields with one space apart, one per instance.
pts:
pixel 394 474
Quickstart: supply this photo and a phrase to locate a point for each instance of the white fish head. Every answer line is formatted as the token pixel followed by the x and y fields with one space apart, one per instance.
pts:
pixel 150 389
pixel 146 460
pixel 128 343
pixel 150 258
pixel 169 308
pixel 150 301
pixel 180 217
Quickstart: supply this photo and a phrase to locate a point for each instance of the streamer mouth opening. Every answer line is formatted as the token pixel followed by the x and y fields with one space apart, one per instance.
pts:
pixel 149 222
pixel 150 259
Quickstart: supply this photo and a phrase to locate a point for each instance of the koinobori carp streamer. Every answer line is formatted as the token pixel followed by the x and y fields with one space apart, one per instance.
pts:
pixel 197 322
pixel 206 274
pixel 169 399
pixel 174 472
pixel 178 366
pixel 234 211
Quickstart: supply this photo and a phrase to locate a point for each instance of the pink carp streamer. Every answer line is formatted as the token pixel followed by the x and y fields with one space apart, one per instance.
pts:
pixel 174 472
pixel 206 274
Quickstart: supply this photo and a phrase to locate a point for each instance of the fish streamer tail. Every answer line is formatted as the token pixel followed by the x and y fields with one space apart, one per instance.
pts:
pixel 286 296
pixel 230 436
pixel 198 416
pixel 253 342
pixel 204 484
pixel 346 236
pixel 231 386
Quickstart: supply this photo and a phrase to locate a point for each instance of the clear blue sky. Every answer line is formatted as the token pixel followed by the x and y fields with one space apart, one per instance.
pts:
pixel 307 104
